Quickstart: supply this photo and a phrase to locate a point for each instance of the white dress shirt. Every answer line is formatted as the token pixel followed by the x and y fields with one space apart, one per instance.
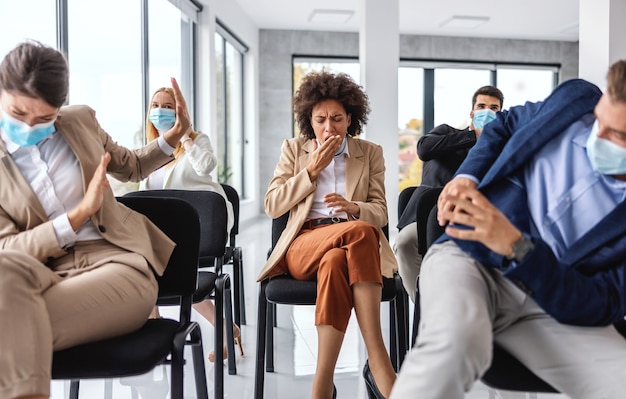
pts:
pixel 54 174
pixel 331 180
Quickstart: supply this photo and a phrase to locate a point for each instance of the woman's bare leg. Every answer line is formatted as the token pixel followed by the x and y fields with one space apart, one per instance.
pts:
pixel 367 298
pixel 329 342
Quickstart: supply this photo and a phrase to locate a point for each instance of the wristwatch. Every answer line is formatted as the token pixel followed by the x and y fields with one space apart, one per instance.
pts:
pixel 521 248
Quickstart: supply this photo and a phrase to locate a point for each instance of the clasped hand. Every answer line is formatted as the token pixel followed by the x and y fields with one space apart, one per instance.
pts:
pixel 460 203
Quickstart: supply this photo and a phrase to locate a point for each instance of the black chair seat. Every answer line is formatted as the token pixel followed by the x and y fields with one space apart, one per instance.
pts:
pixel 138 352
pixel 206 286
pixel 286 290
pixel 508 373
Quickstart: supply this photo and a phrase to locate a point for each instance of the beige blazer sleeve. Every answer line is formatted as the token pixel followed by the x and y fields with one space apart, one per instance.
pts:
pixel 25 226
pixel 291 190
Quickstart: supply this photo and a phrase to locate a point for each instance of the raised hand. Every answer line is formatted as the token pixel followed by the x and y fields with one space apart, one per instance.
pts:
pixel 183 123
pixel 92 201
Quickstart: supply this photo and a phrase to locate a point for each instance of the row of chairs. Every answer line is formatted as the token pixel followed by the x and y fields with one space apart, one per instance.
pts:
pixel 179 214
pixel 197 222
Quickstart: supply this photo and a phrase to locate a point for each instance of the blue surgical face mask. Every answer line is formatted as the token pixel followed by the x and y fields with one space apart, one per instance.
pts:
pixel 162 118
pixel 482 117
pixel 606 157
pixel 22 134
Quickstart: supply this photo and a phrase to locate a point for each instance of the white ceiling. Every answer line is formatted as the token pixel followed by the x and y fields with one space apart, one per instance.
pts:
pixel 509 19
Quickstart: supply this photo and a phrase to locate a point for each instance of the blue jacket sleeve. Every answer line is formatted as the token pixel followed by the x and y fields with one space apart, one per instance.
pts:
pixel 569 293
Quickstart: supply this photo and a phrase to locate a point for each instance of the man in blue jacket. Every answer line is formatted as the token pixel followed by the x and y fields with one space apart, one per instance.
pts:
pixel 534 255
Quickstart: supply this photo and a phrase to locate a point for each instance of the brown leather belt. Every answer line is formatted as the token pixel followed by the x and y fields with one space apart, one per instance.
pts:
pixel 309 224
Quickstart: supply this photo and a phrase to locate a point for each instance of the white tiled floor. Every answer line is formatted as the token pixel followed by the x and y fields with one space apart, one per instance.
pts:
pixel 295 350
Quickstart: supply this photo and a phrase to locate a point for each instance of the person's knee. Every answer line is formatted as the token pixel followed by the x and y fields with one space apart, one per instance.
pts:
pixel 333 260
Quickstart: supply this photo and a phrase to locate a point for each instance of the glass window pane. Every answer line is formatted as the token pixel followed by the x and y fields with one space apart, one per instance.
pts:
pixel 22 23
pixel 164 45
pixel 229 91
pixel 105 65
pixel 521 85
pixel 105 68
pixel 234 115
pixel 410 124
pixel 454 89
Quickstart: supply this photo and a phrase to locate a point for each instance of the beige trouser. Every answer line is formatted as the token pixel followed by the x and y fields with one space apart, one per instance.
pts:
pixel 94 292
pixel 409 260
pixel 465 307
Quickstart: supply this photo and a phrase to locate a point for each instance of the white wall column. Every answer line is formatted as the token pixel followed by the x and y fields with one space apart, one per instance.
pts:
pixel 601 38
pixel 379 55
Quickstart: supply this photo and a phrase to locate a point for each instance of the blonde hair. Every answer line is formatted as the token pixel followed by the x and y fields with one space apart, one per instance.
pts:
pixel 151 131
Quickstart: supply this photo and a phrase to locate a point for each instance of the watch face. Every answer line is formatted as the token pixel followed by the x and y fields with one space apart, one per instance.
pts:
pixel 521 248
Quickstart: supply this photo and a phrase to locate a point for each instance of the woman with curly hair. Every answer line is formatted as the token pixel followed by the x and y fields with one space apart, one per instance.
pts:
pixel 332 185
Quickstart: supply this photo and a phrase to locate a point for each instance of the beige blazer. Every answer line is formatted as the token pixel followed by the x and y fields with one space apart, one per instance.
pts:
pixel 24 225
pixel 292 190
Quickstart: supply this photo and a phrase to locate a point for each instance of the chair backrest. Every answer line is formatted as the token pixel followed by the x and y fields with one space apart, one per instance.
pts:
pixel 211 210
pixel 403 199
pixel 233 197
pixel 179 221
pixel 426 201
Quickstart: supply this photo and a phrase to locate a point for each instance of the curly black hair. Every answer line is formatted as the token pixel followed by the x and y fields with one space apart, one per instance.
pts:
pixel 319 86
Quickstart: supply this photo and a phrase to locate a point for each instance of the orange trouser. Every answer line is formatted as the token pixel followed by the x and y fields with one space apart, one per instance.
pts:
pixel 337 255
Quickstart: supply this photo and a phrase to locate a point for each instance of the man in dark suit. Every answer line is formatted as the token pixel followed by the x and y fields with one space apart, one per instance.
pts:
pixel 534 255
pixel 443 150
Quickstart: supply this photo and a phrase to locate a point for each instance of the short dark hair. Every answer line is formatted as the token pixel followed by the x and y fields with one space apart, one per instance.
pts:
pixel 35 70
pixel 319 86
pixel 490 91
pixel 616 81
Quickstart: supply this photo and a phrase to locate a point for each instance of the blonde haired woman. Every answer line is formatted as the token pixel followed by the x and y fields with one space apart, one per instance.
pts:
pixel 191 169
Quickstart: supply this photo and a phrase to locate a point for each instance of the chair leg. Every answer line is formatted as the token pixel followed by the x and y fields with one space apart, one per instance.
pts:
pixel 219 335
pixel 74 386
pixel 237 289
pixel 228 309
pixel 416 318
pixel 238 259
pixel 262 317
pixel 402 320
pixel 269 340
pixel 197 354
pixel 393 334
pixel 176 366
pixel 108 388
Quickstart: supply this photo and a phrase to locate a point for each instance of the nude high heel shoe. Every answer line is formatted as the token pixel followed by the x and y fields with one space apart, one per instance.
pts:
pixel 237 338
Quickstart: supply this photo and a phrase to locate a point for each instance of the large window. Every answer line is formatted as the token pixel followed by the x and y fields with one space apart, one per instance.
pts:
pixel 231 144
pixel 22 20
pixel 170 40
pixel 436 93
pixel 105 65
pixel 410 124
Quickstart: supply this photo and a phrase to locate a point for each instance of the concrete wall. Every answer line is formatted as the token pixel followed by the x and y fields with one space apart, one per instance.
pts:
pixel 276 48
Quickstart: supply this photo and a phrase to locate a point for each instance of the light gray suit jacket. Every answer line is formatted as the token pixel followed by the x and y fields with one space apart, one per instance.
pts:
pixel 292 191
pixel 24 225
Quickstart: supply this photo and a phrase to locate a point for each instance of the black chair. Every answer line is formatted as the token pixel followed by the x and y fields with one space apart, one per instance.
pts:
pixel 234 256
pixel 211 209
pixel 505 372
pixel 139 352
pixel 286 290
